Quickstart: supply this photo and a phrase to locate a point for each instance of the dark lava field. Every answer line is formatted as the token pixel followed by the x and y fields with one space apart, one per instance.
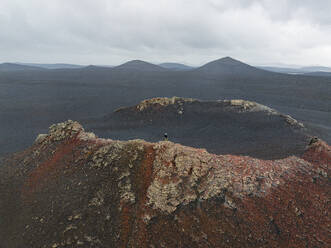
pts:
pixel 241 167
pixel 31 99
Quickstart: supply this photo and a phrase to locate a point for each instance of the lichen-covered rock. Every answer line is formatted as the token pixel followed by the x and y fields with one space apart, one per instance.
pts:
pixel 64 130
pixel 72 189
pixel 40 137
pixel 162 101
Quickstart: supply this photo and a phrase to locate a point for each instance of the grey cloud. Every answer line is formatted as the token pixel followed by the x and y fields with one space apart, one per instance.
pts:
pixel 191 31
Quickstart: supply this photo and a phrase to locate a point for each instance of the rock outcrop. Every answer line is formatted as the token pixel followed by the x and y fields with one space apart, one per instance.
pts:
pixel 72 189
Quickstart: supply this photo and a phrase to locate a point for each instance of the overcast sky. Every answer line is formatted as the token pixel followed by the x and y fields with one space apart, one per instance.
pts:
pixel 188 31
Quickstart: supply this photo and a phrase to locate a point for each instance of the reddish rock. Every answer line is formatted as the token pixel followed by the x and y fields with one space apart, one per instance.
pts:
pixel 71 189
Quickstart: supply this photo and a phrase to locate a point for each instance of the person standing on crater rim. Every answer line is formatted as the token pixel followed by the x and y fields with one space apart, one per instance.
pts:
pixel 165 137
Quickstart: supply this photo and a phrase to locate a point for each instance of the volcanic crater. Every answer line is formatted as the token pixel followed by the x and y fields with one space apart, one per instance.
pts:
pixel 73 189
pixel 222 126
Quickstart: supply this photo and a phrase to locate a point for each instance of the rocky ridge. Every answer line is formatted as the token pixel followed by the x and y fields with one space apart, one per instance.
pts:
pixel 72 189
pixel 235 105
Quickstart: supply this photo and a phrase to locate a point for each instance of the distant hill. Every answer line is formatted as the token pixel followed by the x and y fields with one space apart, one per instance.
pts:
pixel 138 65
pixel 302 70
pixel 17 67
pixel 176 66
pixel 228 67
pixel 95 67
pixel 316 69
pixel 53 66
pixel 282 69
pixel 319 74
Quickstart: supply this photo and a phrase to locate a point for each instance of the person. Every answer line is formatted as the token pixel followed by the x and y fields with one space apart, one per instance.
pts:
pixel 165 136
